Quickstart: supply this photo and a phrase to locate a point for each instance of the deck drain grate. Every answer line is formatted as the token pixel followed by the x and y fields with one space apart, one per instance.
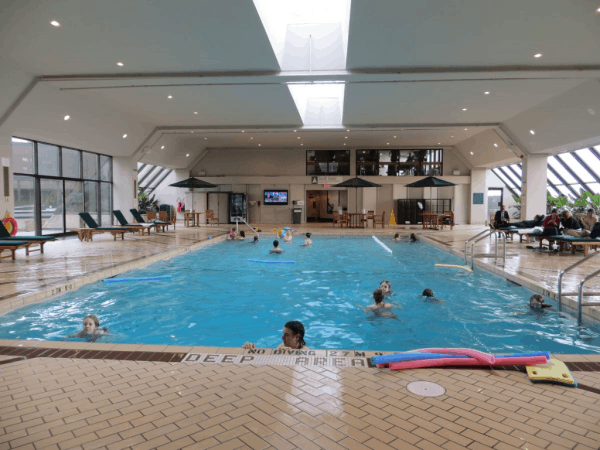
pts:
pixel 426 389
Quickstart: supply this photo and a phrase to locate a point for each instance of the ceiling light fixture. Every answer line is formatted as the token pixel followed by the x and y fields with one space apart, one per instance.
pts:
pixel 344 143
pixel 532 132
pixel 486 92
pixel 195 112
pixel 348 131
pixel 298 137
pixel 206 139
pixel 170 96
pixel 471 153
pixel 388 143
pixel 251 138
pixel 243 131
pixel 495 145
pixel 187 155
pixel 466 129
pixel 124 136
pixel 464 109
pixel 537 55
pixel 451 136
pixel 259 145
pixel 120 64
pixel 67 117
pixel 345 137
pixel 162 147
pixel 394 137
pixel 55 23
pixel 295 131
pixel 303 144
pixel 439 143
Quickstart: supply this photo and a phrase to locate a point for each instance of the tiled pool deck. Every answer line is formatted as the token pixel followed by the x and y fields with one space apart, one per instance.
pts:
pixel 61 395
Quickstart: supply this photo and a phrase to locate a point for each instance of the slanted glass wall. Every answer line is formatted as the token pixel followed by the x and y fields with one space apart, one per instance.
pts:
pixel 53 184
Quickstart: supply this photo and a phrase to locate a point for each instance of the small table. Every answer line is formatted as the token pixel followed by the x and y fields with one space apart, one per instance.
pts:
pixel 356 220
pixel 431 220
pixel 194 217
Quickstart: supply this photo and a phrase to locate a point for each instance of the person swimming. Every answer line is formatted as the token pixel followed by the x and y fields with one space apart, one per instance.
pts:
pixel 276 248
pixel 241 236
pixel 413 237
pixel 293 337
pixel 385 287
pixel 397 237
pixel 255 240
pixel 308 240
pixel 379 307
pixel 91 329
pixel 287 237
pixel 537 302
pixel 427 293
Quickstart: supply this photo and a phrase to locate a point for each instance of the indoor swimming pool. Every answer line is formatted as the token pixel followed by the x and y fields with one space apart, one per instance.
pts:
pixel 217 297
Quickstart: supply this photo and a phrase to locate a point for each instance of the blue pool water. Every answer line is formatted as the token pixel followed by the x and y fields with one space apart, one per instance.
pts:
pixel 216 297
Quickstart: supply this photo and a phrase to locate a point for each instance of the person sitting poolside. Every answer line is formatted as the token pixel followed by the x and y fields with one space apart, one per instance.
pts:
pixel 501 217
pixel 308 240
pixel 91 329
pixel 537 302
pixel 293 337
pixel 276 248
pixel 385 287
pixel 588 223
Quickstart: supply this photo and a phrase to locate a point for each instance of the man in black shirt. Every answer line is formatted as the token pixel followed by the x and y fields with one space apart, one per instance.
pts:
pixel 501 218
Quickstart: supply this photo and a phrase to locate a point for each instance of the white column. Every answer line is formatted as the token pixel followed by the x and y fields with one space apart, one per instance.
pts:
pixel 124 185
pixel 534 189
pixel 478 213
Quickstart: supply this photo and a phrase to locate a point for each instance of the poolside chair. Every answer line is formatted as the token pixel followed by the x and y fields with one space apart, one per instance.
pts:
pixel 12 246
pixel 87 234
pixel 137 216
pixel 33 240
pixel 379 219
pixel 210 217
pixel 337 219
pixel 163 216
pixel 586 243
pixel 136 226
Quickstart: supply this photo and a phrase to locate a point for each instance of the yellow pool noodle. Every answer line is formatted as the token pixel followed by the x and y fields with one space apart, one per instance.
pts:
pixel 467 268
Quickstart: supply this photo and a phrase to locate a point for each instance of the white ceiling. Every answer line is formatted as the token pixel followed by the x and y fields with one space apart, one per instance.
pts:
pixel 411 64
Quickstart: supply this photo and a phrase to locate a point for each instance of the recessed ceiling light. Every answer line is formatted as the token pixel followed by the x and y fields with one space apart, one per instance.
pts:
pixel 537 55
pixel 187 155
pixel 345 137
pixel 486 92
pixel 451 136
pixel 124 136
pixel 471 153
pixel 344 143
pixel 348 131
pixel 195 112
pixel 55 23
pixel 532 132
pixel 243 131
pixel 394 137
pixel 206 139
pixel 495 145
pixel 120 64
pixel 162 147
pixel 67 117
pixel 388 143
pixel 259 145
pixel 598 10
pixel 466 129
pixel 303 144
pixel 464 109
pixel 439 143
pixel 298 137
pixel 170 96
pixel 295 131
pixel 251 138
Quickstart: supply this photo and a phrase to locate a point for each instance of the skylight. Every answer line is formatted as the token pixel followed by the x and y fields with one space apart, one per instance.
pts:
pixel 309 37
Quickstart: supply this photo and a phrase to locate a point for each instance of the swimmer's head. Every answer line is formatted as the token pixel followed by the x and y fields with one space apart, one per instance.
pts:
pixel 233 229
pixel 378 296
pixel 243 233
pixel 427 293
pixel 385 286
pixel 90 324
pixel 293 334
pixel 307 235
pixel 275 243
pixel 397 235
pixel 256 238
pixel 413 237
pixel 536 298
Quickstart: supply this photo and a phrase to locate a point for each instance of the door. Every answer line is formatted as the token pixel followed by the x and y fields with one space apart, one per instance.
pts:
pixel 495 199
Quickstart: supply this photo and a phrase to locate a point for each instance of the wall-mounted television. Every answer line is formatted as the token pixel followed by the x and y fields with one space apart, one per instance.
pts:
pixel 276 197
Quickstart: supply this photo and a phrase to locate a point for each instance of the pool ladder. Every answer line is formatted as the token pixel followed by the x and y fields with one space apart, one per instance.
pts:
pixel 481 236
pixel 241 219
pixel 579 292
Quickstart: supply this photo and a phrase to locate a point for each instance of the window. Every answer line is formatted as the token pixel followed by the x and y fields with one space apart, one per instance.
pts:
pixel 328 162
pixel 54 184
pixel 394 163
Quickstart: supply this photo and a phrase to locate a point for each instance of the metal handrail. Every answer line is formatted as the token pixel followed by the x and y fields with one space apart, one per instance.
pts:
pixel 485 234
pixel 469 240
pixel 241 219
pixel 476 241
pixel 561 274
pixel 580 299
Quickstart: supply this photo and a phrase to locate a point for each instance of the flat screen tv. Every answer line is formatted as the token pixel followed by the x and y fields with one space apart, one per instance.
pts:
pixel 276 197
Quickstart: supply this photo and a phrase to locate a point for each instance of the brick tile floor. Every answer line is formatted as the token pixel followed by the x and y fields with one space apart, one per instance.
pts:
pixel 114 404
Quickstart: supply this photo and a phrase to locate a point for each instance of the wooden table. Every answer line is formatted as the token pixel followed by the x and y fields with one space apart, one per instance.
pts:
pixel 431 220
pixel 356 220
pixel 194 216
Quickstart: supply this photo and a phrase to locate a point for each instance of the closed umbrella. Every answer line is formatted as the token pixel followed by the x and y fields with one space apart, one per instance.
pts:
pixel 192 183
pixel 430 182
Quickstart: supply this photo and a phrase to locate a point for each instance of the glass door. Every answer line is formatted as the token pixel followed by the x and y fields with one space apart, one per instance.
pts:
pixel 495 199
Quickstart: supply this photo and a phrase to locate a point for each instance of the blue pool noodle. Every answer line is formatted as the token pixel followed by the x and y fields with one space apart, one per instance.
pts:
pixel 400 357
pixel 272 262
pixel 118 280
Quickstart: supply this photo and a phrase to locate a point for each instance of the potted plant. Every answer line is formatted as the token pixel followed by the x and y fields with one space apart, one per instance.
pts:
pixel 146 203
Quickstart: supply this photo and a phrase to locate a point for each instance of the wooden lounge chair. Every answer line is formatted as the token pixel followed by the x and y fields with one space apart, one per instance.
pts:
pixel 337 219
pixel 12 246
pixel 574 241
pixel 136 226
pixel 87 234
pixel 163 216
pixel 379 219
pixel 33 240
pixel 137 216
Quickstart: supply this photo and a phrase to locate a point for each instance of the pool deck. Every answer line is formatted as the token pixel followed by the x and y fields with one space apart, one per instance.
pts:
pixel 61 395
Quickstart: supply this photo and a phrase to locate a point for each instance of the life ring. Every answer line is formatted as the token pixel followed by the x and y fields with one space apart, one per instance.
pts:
pixel 10 224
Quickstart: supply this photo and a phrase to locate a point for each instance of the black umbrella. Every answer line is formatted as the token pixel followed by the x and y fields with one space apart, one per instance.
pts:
pixel 193 183
pixel 430 182
pixel 356 183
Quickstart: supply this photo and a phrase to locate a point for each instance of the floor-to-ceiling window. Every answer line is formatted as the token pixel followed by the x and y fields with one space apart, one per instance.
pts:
pixel 53 184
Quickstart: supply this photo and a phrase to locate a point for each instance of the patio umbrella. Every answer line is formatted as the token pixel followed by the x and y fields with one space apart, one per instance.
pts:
pixel 430 182
pixel 192 183
pixel 356 183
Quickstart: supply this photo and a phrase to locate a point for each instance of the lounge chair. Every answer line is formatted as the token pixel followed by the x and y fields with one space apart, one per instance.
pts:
pixel 12 246
pixel 136 226
pixel 41 240
pixel 87 234
pixel 586 243
pixel 137 216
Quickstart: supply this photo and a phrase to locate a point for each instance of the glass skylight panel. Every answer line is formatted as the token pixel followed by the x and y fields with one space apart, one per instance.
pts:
pixel 514 178
pixel 574 165
pixel 553 178
pixel 144 171
pixel 307 36
pixel 595 187
pixel 553 192
pixel 590 159
pixel 504 179
pixel 564 190
pixel 517 168
pixel 556 165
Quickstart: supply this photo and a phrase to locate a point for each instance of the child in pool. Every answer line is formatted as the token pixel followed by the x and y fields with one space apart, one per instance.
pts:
pixel 287 237
pixel 276 248
pixel 255 240
pixel 307 241
pixel 91 327
pixel 379 304
pixel 385 287
pixel 397 237
pixel 241 236
pixel 413 237
pixel 233 234
pixel 537 302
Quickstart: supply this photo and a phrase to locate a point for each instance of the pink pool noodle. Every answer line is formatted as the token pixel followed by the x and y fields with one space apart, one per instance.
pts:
pixel 483 358
pixel 513 361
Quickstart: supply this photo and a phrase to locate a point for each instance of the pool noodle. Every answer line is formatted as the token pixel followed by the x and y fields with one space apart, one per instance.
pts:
pixel 422 363
pixel 272 262
pixel 118 280
pixel 411 356
pixel 382 244
pixel 467 268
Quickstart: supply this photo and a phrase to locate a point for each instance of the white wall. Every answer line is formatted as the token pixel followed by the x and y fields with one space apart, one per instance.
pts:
pixel 6 157
pixel 124 193
pixel 478 213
